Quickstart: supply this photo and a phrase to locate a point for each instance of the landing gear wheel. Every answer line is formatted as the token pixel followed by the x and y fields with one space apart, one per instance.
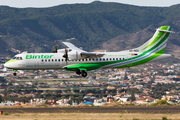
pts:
pixel 14 74
pixel 84 73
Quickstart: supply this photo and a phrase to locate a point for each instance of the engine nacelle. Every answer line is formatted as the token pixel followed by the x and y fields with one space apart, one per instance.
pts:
pixel 63 50
pixel 74 55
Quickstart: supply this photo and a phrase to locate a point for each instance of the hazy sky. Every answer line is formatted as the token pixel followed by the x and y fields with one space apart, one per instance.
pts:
pixel 49 3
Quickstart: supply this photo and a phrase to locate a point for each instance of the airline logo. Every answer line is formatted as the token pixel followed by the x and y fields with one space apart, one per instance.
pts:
pixel 39 56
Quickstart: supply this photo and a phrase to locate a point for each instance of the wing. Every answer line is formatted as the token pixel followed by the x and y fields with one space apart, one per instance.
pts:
pixel 84 54
pixel 91 55
pixel 72 47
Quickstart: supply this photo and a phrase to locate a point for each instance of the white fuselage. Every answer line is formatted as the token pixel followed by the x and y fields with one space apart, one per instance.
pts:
pixel 56 61
pixel 32 61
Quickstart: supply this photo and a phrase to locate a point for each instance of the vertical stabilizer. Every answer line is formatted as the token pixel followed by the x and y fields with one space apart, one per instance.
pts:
pixel 158 41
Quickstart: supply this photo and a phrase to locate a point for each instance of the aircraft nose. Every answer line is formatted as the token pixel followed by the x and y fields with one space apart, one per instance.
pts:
pixel 7 65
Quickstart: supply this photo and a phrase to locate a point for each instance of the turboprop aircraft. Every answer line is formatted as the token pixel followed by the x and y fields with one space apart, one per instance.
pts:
pixel 74 59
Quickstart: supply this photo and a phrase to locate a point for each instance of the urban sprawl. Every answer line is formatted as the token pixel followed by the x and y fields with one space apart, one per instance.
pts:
pixel 149 84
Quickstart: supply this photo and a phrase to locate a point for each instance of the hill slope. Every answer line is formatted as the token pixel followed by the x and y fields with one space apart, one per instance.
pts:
pixel 35 29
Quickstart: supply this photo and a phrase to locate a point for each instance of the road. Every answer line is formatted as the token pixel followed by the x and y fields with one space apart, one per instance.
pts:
pixel 133 109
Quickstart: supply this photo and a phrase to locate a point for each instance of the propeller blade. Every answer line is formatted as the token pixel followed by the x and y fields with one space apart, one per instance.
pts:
pixel 66 54
pixel 55 47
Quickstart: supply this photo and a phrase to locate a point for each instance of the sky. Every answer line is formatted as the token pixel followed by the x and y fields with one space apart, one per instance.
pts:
pixel 50 3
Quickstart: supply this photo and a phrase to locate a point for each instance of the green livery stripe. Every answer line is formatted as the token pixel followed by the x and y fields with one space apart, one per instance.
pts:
pixel 96 65
pixel 145 60
pixel 160 34
pixel 155 40
pixel 164 27
pixel 88 66
pixel 12 60
pixel 93 66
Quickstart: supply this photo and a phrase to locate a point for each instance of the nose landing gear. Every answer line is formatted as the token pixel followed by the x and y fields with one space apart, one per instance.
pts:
pixel 15 72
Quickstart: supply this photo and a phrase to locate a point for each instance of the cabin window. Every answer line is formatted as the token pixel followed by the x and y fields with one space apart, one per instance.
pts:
pixel 89 59
pixel 82 59
pixel 55 60
pixel 17 58
pixel 62 59
pixel 107 59
pixel 99 59
pixel 119 58
pixel 96 59
pixel 86 59
pixel 79 60
pixel 113 58
pixel 45 60
pixel 110 59
pixel 42 60
pixel 116 58
pixel 59 60
pixel 103 59
pixel 123 58
pixel 52 60
pixel 49 60
pixel 93 59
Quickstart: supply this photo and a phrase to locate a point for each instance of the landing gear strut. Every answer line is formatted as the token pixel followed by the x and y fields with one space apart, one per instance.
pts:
pixel 82 72
pixel 78 72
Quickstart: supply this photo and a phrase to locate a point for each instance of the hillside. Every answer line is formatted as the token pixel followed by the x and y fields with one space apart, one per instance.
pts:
pixel 93 25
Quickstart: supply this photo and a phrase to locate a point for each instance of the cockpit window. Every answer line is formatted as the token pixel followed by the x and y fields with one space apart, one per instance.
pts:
pixel 17 58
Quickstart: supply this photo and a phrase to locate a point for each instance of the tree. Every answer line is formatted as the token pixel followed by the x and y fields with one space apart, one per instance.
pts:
pixel 132 98
pixel 1 99
pixel 125 76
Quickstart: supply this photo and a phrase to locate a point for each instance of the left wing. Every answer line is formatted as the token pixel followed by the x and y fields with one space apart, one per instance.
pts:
pixel 91 55
pixel 83 54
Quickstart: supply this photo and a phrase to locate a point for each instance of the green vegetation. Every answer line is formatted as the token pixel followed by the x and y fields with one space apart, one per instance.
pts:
pixel 164 118
pixel 35 29
pixel 160 89
pixel 6 113
pixel 160 102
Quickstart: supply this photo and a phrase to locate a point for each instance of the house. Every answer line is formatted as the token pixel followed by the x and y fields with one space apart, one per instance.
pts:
pixel 140 101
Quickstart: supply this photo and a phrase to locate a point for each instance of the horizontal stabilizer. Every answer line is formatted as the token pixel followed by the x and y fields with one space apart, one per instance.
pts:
pixel 166 31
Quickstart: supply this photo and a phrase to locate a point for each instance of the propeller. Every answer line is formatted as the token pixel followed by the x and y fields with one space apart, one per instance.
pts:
pixel 66 54
pixel 55 47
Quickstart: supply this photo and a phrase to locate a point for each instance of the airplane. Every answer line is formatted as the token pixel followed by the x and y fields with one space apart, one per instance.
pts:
pixel 75 59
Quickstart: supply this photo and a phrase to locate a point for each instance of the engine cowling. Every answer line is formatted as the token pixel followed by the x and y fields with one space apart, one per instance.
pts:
pixel 63 50
pixel 74 55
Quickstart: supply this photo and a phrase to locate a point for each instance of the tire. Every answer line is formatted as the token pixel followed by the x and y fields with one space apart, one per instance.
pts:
pixel 14 74
pixel 84 73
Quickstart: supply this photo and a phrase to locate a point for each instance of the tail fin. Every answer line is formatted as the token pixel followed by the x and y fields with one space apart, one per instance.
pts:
pixel 158 41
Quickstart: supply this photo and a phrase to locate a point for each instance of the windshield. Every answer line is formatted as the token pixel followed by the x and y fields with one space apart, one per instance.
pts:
pixel 17 58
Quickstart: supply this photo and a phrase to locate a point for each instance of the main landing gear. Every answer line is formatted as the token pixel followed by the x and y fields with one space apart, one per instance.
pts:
pixel 14 73
pixel 83 72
